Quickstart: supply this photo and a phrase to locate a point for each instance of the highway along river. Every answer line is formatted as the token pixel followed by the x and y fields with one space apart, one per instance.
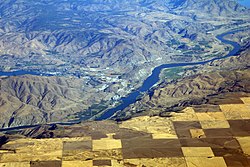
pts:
pixel 147 84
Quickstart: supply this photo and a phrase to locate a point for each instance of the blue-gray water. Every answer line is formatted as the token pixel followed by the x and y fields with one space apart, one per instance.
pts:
pixel 147 84
pixel 154 77
pixel 22 72
pixel 245 3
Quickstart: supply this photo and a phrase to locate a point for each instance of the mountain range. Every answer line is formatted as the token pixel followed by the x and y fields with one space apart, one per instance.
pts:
pixel 101 50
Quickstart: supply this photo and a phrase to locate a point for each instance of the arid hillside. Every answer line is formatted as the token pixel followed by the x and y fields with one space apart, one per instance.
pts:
pixel 196 87
pixel 215 135
pixel 32 99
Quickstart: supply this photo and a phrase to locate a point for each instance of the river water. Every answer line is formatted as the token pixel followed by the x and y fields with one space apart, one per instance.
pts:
pixel 22 72
pixel 155 77
pixel 147 84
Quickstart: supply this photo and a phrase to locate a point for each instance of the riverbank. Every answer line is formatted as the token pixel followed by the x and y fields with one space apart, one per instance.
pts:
pixel 155 76
pixel 147 84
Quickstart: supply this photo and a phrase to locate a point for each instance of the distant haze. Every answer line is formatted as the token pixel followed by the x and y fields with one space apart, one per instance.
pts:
pixel 245 2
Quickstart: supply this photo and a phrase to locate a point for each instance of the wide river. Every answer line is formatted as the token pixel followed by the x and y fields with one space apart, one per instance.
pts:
pixel 147 84
pixel 155 77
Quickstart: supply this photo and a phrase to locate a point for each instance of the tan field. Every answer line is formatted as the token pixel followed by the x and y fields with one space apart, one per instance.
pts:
pixel 212 137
